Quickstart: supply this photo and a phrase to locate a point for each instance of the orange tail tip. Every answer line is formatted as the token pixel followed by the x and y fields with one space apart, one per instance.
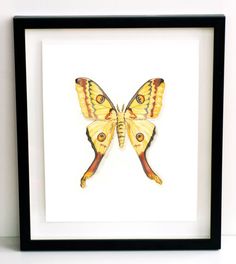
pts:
pixel 147 169
pixel 91 170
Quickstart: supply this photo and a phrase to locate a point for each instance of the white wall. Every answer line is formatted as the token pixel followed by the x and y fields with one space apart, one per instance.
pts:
pixel 8 161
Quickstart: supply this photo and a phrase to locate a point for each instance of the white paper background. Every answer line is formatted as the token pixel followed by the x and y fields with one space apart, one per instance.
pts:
pixel 120 190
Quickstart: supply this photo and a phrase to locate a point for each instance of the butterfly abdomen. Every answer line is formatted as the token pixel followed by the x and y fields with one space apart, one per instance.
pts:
pixel 120 128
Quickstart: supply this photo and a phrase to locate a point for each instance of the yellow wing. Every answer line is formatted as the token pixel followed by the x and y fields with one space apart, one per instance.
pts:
pixel 147 101
pixel 100 134
pixel 94 102
pixel 141 133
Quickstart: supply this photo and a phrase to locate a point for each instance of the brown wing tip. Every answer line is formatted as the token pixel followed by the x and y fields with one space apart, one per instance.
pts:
pixel 158 81
pixel 77 80
pixel 81 80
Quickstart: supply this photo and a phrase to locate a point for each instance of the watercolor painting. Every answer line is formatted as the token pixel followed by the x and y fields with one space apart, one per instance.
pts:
pixel 96 105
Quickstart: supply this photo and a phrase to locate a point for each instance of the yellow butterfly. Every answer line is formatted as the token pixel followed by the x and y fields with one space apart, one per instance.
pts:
pixel 96 105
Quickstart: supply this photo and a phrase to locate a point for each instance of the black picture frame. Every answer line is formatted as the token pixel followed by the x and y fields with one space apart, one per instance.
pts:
pixel 217 23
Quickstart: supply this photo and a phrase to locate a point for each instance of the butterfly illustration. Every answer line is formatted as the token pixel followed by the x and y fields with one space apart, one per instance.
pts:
pixel 96 105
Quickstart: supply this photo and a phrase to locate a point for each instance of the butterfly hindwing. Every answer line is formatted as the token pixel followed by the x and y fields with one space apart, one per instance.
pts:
pixel 147 101
pixel 100 134
pixel 141 133
pixel 94 102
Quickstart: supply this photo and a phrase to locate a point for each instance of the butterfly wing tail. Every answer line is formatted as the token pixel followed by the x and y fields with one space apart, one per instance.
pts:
pixel 148 170
pixel 92 169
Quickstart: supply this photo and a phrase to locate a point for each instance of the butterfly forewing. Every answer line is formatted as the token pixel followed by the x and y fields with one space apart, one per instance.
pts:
pixel 147 101
pixel 94 102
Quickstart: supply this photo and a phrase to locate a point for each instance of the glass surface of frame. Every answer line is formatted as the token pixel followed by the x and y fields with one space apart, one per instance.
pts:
pixel 120 208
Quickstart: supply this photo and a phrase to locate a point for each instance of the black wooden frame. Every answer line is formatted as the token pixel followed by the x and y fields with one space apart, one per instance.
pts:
pixel 217 22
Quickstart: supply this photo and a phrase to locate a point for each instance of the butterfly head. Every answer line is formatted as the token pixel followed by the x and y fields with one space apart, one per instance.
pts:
pixel 122 109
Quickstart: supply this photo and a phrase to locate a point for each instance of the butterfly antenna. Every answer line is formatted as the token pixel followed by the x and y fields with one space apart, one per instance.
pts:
pixel 123 107
pixel 117 108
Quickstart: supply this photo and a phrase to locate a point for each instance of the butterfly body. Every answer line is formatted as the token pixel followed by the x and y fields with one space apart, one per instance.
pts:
pixel 120 128
pixel 96 105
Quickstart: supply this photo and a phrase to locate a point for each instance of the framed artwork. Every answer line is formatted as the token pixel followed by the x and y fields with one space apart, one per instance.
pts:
pixel 119 124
